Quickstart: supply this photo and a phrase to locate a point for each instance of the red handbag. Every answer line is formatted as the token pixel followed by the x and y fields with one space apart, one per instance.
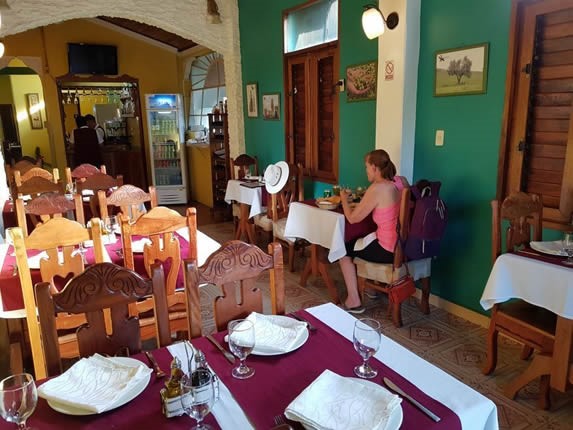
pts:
pixel 401 289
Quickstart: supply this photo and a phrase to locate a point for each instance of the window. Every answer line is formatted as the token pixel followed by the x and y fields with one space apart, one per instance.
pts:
pixel 536 155
pixel 207 89
pixel 311 26
pixel 311 102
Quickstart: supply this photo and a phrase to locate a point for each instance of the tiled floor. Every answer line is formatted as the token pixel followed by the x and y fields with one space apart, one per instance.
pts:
pixel 451 343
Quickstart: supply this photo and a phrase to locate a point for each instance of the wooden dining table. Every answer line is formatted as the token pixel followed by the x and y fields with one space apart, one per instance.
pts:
pixel 544 281
pixel 251 197
pixel 278 379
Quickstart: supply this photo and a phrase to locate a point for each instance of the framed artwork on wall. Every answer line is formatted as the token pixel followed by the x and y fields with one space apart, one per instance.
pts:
pixel 361 81
pixel 271 106
pixel 34 110
pixel 461 71
pixel 252 101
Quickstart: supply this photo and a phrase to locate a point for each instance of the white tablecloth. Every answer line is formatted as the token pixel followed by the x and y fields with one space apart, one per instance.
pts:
pixel 474 410
pixel 537 282
pixel 250 196
pixel 319 226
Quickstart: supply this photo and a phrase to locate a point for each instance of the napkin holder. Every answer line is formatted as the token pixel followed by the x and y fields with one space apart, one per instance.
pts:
pixel 172 406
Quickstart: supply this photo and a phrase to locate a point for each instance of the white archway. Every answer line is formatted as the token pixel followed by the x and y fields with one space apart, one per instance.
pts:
pixel 187 18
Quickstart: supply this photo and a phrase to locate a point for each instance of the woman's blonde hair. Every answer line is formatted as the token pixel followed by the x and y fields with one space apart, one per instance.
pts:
pixel 381 160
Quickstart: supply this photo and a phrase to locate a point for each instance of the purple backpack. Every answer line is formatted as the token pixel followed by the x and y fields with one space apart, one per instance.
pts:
pixel 428 221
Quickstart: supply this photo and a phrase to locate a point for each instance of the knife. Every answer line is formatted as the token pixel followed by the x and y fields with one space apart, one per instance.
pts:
pixel 398 390
pixel 230 357
pixel 308 324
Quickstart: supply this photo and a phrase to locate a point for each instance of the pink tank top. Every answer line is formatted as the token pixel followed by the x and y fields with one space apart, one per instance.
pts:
pixel 386 219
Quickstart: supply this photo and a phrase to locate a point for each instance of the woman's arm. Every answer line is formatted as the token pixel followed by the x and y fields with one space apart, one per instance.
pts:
pixel 363 209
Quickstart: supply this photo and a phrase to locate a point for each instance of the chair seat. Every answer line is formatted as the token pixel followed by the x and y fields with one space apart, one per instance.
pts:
pixel 377 271
pixel 263 221
pixel 538 318
pixel 279 231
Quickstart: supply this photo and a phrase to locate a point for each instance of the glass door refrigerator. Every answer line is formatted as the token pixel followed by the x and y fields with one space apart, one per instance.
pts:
pixel 165 135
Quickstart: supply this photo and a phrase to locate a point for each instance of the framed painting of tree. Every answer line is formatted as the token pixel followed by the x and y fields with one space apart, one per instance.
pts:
pixel 461 71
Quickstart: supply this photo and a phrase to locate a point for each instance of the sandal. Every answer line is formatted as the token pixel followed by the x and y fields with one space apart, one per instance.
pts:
pixel 355 310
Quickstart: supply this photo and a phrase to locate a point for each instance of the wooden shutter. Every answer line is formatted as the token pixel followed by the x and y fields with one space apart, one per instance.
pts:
pixel 539 145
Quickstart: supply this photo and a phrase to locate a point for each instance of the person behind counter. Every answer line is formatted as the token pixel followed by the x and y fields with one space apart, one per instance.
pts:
pixel 382 199
pixel 91 123
pixel 80 123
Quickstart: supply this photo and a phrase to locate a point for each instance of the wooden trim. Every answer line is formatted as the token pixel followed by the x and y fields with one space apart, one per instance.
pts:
pixel 566 198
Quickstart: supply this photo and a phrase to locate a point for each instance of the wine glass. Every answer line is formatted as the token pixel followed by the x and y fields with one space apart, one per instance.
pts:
pixel 111 224
pixel 18 398
pixel 198 396
pixel 241 343
pixel 366 343
pixel 568 247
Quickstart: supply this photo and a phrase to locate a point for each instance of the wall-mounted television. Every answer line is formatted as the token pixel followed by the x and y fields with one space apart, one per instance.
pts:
pixel 92 59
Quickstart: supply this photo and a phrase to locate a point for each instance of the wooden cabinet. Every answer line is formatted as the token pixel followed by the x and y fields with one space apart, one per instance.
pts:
pixel 220 170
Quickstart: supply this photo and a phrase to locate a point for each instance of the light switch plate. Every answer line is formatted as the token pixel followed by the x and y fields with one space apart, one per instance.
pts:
pixel 439 137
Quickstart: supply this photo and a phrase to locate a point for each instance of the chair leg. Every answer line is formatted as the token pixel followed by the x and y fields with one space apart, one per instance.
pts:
pixel 425 301
pixel 396 314
pixel 491 349
pixel 291 257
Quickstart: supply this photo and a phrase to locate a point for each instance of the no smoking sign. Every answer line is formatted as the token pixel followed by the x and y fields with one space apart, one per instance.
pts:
pixel 389 70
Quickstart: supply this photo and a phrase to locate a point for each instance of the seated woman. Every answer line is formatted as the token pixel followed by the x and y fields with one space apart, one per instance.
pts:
pixel 382 199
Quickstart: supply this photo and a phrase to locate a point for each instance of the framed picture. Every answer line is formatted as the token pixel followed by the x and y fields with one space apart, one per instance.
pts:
pixel 361 81
pixel 271 106
pixel 252 101
pixel 34 110
pixel 461 71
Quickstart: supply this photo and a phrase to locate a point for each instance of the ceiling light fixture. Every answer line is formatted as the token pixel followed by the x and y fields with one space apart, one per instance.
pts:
pixel 374 23
pixel 213 16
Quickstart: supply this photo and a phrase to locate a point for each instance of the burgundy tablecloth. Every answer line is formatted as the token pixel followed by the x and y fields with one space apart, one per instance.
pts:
pixel 10 285
pixel 352 231
pixel 535 255
pixel 277 381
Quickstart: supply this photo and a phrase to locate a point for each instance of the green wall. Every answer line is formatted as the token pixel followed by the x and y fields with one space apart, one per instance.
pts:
pixel 262 62
pixel 467 163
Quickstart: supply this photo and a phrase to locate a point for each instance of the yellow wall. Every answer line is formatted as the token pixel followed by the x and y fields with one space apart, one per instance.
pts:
pixel 30 138
pixel 155 67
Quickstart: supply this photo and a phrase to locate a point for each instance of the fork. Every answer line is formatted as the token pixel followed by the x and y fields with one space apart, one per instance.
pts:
pixel 280 423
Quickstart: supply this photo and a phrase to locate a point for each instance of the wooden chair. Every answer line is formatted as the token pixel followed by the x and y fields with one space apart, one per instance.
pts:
pixel 241 166
pixel 274 221
pixel 160 225
pixel 83 171
pixel 100 287
pixel 59 238
pixel 95 183
pixel 377 276
pixel 47 206
pixel 129 199
pixel 528 324
pixel 235 265
pixel 20 178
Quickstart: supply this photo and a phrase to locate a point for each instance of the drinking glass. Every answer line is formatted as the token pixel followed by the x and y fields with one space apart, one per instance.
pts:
pixel 111 225
pixel 18 398
pixel 198 396
pixel 241 343
pixel 568 247
pixel 336 190
pixel 366 343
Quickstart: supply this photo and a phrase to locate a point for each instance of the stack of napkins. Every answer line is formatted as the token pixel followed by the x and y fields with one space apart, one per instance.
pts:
pixel 93 383
pixel 276 334
pixel 335 402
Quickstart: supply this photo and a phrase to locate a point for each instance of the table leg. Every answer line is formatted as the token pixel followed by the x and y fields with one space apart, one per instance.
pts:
pixel 245 227
pixel 562 354
pixel 316 265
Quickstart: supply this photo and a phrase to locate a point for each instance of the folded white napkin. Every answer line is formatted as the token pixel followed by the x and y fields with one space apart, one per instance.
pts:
pixel 34 261
pixel 138 245
pixel 93 383
pixel 550 247
pixel 274 333
pixel 334 402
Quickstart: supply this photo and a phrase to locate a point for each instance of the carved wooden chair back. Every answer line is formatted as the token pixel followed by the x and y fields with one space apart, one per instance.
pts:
pixel 83 171
pixel 36 186
pixel 20 178
pixel 129 199
pixel 241 166
pixel 101 287
pixel 530 325
pixel 160 225
pixel 95 183
pixel 47 206
pixel 523 212
pixel 59 238
pixel 236 265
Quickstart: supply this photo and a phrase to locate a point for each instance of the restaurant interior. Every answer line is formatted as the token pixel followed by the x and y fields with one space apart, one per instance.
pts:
pixel 200 102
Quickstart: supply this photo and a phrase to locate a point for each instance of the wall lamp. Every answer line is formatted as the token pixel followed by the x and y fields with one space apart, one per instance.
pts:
pixel 374 23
